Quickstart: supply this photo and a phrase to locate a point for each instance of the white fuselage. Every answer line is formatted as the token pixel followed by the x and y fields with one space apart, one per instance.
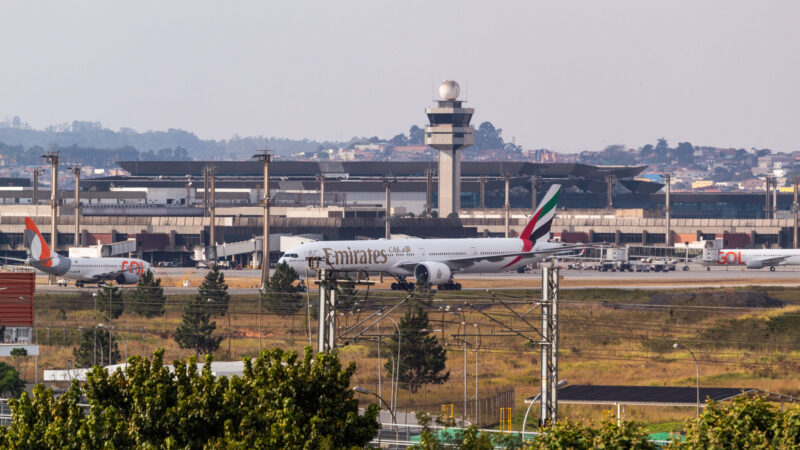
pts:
pixel 738 257
pixel 96 269
pixel 385 255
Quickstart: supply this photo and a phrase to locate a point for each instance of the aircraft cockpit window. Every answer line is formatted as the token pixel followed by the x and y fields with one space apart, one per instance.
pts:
pixel 290 255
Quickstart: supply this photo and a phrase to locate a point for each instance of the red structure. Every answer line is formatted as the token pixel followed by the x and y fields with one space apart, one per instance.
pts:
pixel 16 298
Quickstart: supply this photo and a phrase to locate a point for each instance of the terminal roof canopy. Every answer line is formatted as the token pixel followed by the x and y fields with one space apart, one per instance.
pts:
pixel 375 169
pixel 657 395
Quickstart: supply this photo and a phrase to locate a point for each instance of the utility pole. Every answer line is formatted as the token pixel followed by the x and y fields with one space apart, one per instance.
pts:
pixel 794 210
pixel 76 170
pixel 321 179
pixel 265 157
pixel 387 181
pixel 774 197
pixel 610 179
pixel 428 191
pixel 52 157
pixel 212 213
pixel 482 182
pixel 35 199
pixel 535 182
pixel 766 199
pixel 507 205
pixel 667 205
pixel 205 190
pixel 549 346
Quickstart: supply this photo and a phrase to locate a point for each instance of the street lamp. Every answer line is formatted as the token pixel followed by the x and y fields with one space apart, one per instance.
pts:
pixel 561 383
pixel 697 368
pixel 397 369
pixel 362 390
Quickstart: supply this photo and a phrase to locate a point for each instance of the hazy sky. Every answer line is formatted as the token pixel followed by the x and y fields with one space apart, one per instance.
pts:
pixel 564 75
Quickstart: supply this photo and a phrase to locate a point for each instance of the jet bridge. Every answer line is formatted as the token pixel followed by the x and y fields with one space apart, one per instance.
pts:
pixel 252 247
pixel 104 250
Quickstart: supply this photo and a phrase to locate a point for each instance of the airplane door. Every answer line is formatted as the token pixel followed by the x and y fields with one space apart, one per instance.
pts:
pixel 421 251
pixel 473 251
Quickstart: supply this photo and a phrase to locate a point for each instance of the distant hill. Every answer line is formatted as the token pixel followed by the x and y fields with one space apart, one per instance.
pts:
pixel 93 135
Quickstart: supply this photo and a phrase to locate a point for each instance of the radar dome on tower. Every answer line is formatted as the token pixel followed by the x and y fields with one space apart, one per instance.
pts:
pixel 449 90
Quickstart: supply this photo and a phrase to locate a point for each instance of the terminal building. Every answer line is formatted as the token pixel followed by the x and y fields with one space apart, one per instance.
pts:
pixel 161 206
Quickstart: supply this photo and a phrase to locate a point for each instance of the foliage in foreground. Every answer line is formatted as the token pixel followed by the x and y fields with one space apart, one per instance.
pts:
pixel 743 423
pixel 281 401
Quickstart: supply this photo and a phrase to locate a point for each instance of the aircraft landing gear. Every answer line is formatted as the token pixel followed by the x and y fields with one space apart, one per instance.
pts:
pixel 685 268
pixel 402 285
pixel 449 286
pixel 772 268
pixel 79 284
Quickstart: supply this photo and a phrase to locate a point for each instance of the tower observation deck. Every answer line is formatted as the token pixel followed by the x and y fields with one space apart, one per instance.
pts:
pixel 449 131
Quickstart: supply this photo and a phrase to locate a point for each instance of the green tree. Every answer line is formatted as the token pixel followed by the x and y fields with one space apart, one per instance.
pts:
pixel 148 298
pixel 742 423
pixel 214 291
pixel 16 356
pixel 93 348
pixel 281 296
pixel 568 434
pixel 276 403
pixel 196 330
pixel 109 300
pixel 10 383
pixel 422 357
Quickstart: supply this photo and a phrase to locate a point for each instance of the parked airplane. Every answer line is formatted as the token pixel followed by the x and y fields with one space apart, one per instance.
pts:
pixel 82 270
pixel 436 260
pixel 753 258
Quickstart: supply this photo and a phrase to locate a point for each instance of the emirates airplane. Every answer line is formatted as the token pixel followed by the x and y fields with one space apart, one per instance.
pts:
pixel 434 261
pixel 82 270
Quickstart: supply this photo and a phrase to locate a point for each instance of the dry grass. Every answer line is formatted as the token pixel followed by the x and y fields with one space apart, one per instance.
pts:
pixel 599 345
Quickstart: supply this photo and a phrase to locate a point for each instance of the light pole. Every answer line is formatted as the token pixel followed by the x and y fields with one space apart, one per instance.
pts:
pixel 362 390
pixel 697 368
pixel 397 369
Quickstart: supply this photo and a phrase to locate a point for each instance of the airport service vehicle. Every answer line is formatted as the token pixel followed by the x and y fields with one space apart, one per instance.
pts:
pixel 752 258
pixel 82 270
pixel 435 261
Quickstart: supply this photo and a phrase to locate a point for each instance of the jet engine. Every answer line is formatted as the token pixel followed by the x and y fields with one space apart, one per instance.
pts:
pixel 755 264
pixel 127 278
pixel 432 272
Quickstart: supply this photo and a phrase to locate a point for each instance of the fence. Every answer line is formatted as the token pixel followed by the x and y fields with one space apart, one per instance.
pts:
pixel 486 411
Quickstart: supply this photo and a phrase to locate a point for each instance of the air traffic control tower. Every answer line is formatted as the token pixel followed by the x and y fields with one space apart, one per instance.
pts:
pixel 449 131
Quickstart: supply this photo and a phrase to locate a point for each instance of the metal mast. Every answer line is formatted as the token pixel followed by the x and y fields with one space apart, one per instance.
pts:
pixel 52 157
pixel 265 157
pixel 549 369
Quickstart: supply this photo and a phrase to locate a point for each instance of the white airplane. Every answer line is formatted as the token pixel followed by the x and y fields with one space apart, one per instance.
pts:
pixel 753 258
pixel 82 270
pixel 434 261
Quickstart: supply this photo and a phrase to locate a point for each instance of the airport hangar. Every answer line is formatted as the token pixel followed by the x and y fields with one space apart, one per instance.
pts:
pixel 161 205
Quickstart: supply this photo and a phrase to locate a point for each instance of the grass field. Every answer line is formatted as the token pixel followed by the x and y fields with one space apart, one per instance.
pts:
pixel 607 336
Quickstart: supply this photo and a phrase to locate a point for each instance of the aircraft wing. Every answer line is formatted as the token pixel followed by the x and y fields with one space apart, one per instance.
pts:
pixel 774 261
pixel 107 275
pixel 464 262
